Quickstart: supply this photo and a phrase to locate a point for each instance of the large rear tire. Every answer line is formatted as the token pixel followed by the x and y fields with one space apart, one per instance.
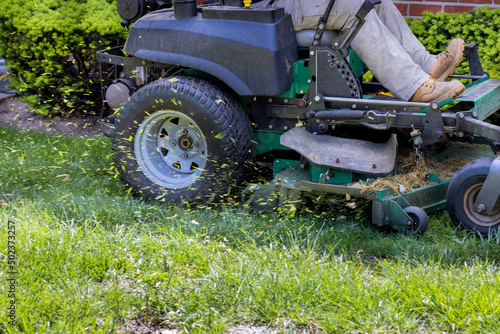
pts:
pixel 462 194
pixel 181 138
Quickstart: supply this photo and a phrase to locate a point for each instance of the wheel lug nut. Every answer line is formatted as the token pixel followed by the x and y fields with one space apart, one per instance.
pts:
pixel 481 208
pixel 184 132
pixel 173 143
pixel 184 155
pixel 196 145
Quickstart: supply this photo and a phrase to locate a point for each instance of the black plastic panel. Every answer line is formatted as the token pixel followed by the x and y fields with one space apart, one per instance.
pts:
pixel 262 15
pixel 253 58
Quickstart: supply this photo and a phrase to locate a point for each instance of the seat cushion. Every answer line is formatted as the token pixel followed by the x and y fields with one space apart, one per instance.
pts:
pixel 305 37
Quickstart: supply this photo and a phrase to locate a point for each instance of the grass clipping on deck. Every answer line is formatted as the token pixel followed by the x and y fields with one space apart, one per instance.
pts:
pixel 411 175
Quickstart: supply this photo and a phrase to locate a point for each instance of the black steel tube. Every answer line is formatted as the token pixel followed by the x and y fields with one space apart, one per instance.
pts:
pixel 341 114
pixel 473 77
pixel 324 19
pixel 377 102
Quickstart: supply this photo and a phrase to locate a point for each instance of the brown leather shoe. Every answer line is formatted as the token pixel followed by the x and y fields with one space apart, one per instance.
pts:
pixel 447 62
pixel 438 91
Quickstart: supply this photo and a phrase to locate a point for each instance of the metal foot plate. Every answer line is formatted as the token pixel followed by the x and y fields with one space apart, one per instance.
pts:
pixel 343 153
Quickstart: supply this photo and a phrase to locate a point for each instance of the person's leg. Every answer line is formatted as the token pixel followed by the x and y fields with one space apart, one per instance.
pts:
pixel 394 67
pixel 380 50
pixel 440 66
pixel 305 13
pixel 386 58
pixel 382 53
pixel 391 17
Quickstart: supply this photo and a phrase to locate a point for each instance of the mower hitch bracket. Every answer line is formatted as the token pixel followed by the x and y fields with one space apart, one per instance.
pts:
pixel 487 199
pixel 391 212
pixel 433 126
pixel 434 123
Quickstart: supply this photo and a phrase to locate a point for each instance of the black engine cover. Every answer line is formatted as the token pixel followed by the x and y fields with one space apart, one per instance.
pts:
pixel 250 49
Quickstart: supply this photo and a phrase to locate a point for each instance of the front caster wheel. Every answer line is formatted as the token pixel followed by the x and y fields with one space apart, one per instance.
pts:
pixel 462 194
pixel 419 220
pixel 181 138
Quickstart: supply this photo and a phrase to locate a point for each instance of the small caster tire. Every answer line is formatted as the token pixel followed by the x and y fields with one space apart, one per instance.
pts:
pixel 419 220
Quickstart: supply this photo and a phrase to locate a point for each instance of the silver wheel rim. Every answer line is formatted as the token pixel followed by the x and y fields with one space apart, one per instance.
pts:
pixel 469 199
pixel 170 149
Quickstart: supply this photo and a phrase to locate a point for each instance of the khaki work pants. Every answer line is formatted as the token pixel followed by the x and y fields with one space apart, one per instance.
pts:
pixel 385 43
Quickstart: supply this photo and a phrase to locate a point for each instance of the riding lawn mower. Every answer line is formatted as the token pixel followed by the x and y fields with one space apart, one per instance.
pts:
pixel 204 91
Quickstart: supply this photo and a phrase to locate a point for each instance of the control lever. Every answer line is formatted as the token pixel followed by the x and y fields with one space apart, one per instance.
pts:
pixel 322 24
pixel 366 7
pixel 470 51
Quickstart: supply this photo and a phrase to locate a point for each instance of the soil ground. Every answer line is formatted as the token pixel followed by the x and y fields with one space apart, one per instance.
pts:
pixel 16 114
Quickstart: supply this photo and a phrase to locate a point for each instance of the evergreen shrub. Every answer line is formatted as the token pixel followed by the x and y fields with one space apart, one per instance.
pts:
pixel 50 46
pixel 479 26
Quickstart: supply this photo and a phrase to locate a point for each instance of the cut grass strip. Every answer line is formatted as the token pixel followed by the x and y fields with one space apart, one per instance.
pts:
pixel 92 258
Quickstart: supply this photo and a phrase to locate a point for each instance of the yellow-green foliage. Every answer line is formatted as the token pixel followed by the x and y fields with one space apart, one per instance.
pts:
pixel 480 26
pixel 50 47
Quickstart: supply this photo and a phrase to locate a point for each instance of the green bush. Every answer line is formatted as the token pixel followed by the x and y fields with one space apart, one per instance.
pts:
pixel 479 26
pixel 50 47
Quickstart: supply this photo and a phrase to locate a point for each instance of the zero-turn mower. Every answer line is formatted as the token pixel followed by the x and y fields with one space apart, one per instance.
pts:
pixel 203 90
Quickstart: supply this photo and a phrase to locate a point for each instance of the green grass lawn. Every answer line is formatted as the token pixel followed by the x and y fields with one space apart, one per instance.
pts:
pixel 91 258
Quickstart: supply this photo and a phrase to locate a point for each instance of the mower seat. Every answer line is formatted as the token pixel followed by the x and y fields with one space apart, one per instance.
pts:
pixel 305 37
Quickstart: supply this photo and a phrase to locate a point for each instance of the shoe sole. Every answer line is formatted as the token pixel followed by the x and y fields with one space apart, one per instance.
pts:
pixel 458 57
pixel 451 94
pixel 448 95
